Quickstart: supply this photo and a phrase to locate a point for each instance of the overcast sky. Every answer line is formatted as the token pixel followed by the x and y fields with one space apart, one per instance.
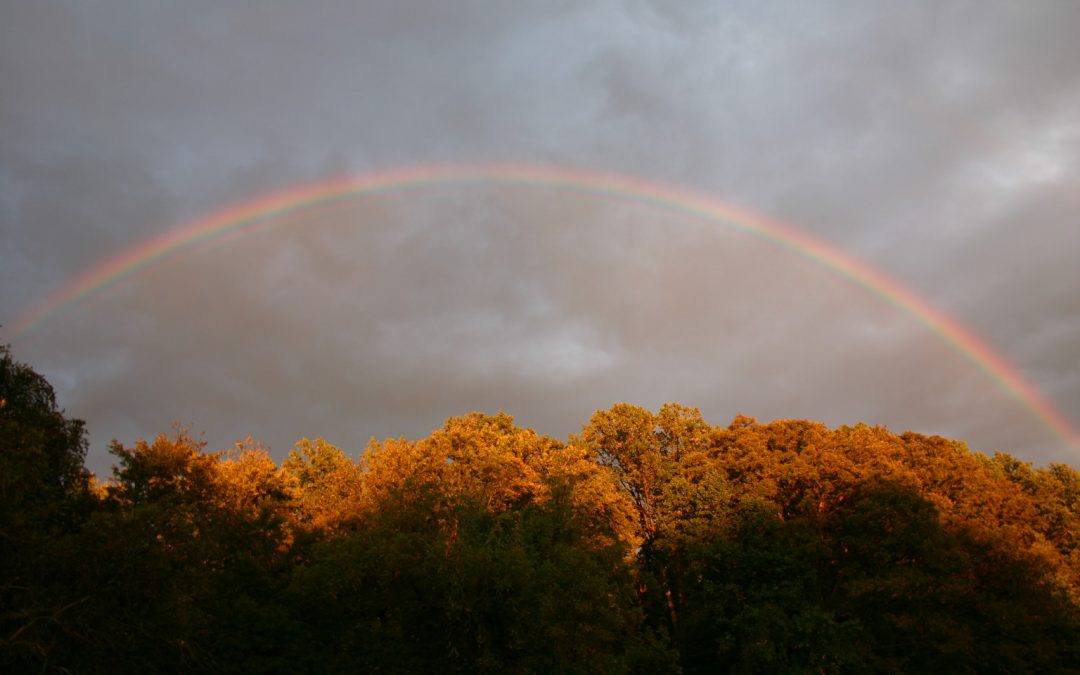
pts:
pixel 937 141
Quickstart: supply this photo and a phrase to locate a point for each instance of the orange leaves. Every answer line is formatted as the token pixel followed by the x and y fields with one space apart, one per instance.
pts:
pixel 327 487
pixel 250 483
pixel 167 469
pixel 656 484
pixel 485 460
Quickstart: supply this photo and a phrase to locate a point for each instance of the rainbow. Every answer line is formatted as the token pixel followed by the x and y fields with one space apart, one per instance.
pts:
pixel 249 215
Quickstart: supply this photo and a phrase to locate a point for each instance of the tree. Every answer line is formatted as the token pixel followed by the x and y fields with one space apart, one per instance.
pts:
pixel 44 496
pixel 626 440
pixel 326 485
pixel 41 450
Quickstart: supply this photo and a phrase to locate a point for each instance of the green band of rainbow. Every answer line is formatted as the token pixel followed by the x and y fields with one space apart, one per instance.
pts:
pixel 250 214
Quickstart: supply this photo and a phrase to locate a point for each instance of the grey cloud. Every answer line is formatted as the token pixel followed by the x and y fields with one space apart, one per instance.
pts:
pixel 935 140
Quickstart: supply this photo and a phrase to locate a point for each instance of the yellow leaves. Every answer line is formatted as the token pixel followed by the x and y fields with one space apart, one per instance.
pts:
pixel 491 459
pixel 326 485
pixel 249 481
pixel 631 476
pixel 487 462
pixel 484 459
pixel 594 495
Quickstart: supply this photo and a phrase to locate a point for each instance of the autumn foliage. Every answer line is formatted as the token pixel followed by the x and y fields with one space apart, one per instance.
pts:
pixel 648 543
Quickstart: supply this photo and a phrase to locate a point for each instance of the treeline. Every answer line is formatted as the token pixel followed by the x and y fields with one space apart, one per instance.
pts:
pixel 648 543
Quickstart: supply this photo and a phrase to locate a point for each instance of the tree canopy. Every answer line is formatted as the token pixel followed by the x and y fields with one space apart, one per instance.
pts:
pixel 650 542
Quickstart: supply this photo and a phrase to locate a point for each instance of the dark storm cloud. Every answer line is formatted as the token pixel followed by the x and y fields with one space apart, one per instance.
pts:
pixel 935 140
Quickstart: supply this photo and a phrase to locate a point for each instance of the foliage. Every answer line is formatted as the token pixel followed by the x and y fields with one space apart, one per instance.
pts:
pixel 648 543
pixel 44 496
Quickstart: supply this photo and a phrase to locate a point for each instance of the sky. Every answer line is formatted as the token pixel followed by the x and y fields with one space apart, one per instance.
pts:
pixel 937 142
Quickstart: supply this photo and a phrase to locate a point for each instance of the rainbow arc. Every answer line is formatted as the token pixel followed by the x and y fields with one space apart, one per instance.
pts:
pixel 249 215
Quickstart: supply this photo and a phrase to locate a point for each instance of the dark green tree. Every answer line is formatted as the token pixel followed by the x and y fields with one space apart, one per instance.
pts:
pixel 44 495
